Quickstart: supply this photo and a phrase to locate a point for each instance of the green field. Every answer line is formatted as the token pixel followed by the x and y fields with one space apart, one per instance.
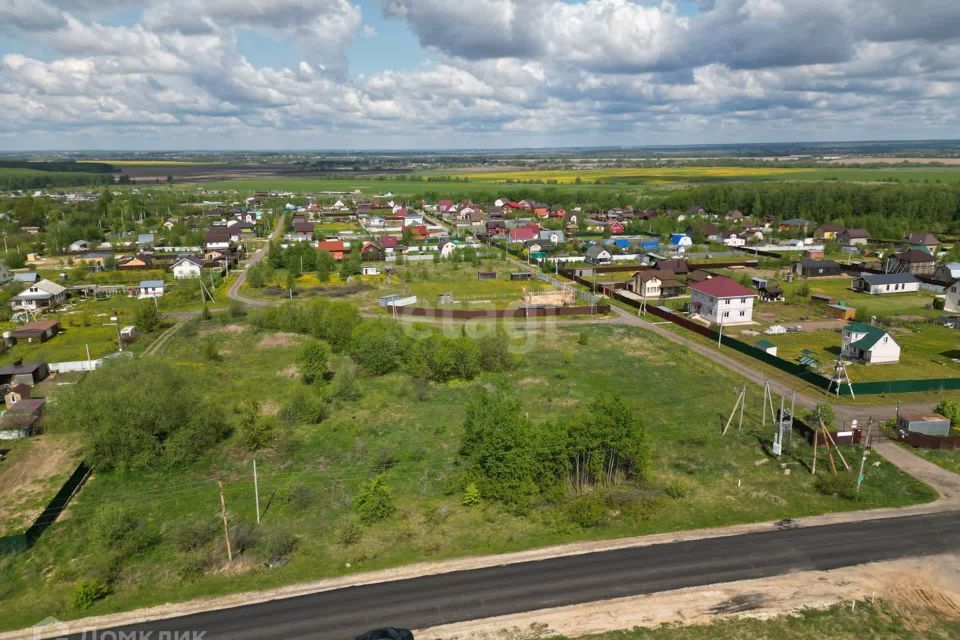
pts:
pixel 411 433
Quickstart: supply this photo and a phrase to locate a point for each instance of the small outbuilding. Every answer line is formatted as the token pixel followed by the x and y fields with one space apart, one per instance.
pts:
pixel 931 424
pixel 810 268
pixel 766 346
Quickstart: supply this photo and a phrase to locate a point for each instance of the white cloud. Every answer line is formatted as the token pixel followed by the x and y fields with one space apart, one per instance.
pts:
pixel 503 72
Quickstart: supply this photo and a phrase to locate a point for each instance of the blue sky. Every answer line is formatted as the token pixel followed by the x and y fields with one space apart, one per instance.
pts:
pixel 476 73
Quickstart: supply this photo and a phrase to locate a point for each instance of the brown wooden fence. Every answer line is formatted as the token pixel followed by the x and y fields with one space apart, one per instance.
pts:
pixel 514 314
pixel 923 441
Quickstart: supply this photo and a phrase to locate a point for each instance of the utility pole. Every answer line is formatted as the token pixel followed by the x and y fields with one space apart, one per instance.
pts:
pixel 720 336
pixel 89 361
pixel 226 528
pixel 256 489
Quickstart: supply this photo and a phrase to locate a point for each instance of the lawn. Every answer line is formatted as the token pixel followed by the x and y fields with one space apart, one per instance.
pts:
pixel 411 433
pixel 877 620
pixel 70 344
pixel 425 279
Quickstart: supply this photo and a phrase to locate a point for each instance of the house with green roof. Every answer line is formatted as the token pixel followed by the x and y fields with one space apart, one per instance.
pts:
pixel 868 344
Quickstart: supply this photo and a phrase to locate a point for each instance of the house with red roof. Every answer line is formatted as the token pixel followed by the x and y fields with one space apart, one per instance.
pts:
pixel 615 226
pixel 333 247
pixel 389 242
pixel 524 233
pixel 419 230
pixel 721 300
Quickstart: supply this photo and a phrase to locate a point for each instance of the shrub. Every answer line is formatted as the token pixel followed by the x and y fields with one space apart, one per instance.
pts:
pixel 374 502
pixel 193 534
pixel 260 433
pixel 583 338
pixel 950 409
pixel 116 528
pixel 825 412
pixel 349 532
pixel 588 511
pixel 193 566
pixel 304 408
pixel 210 350
pixel 205 314
pixel 243 537
pixel 344 382
pixel 676 489
pixel 300 498
pixel 378 346
pixel 471 495
pixel 843 485
pixel 236 309
pixel 312 361
pixel 87 592
pixel 276 544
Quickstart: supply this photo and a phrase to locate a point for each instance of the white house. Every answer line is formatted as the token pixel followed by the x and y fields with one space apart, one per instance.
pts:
pixel 369 271
pixel 646 284
pixel 187 267
pixel 150 289
pixel 42 295
pixel 596 254
pixel 884 283
pixel 952 303
pixel 445 246
pixel 868 344
pixel 412 219
pixel 722 301
pixel 552 235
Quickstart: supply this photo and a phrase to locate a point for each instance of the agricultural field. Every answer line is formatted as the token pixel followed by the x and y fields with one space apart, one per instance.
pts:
pixel 31 474
pixel 410 432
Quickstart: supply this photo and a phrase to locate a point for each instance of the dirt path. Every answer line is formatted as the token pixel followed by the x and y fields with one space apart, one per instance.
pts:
pixel 927 582
pixel 234 291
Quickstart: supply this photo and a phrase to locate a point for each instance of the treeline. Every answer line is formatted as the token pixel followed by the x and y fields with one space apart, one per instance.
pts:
pixel 509 458
pixel 11 179
pixel 66 166
pixel 887 211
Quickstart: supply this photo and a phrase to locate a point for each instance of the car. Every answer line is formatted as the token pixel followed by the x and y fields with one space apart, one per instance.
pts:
pixel 386 633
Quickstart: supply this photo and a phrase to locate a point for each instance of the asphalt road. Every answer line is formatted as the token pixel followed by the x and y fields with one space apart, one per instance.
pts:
pixel 467 595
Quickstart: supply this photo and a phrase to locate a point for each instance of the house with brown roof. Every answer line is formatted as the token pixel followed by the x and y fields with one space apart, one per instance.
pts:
pixel 922 239
pixel 39 331
pixel 915 261
pixel 853 237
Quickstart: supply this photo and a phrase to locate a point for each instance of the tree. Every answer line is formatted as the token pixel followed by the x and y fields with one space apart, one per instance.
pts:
pixel 606 442
pixel 326 265
pixel 825 412
pixel 374 502
pixel 378 346
pixel 950 409
pixel 146 317
pixel 260 433
pixel 138 413
pixel 471 495
pixel 15 259
pixel 312 361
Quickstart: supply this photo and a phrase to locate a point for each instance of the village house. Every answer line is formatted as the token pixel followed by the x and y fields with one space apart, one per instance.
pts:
pixel 868 344
pixel 389 243
pixel 922 239
pixel 722 301
pixel 828 231
pixel 38 331
pixel 853 237
pixel 645 284
pixel 915 261
pixel 445 247
pixel 883 283
pixel 947 272
pixel 370 252
pixel 42 295
pixel 810 268
pixel 139 261
pixel 524 233
pixel 19 373
pixel 552 236
pixel 333 247
pixel 676 265
pixel 187 267
pixel 952 298
pixel 670 285
pixel 302 231
pixel 795 224
pixel 150 289
pixel 217 238
pixel 734 215
pixel 596 254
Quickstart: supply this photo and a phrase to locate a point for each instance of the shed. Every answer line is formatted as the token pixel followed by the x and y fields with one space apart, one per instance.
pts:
pixel 521 275
pixel 842 311
pixel 39 331
pixel 486 275
pixel 29 373
pixel 766 346
pixel 931 424
pixel 819 298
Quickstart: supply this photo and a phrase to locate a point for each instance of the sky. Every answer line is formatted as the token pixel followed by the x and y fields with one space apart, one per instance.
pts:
pixel 438 74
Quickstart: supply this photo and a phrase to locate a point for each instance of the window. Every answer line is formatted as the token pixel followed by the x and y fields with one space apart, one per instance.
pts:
pixel 743 313
pixel 726 314
pixel 743 301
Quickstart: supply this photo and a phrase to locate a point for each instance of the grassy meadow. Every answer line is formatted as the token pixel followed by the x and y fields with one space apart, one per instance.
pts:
pixel 411 433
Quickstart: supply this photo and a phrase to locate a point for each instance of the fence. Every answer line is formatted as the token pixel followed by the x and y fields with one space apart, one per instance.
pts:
pixel 522 312
pixel 75 365
pixel 24 540
pixel 799 371
pixel 923 441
